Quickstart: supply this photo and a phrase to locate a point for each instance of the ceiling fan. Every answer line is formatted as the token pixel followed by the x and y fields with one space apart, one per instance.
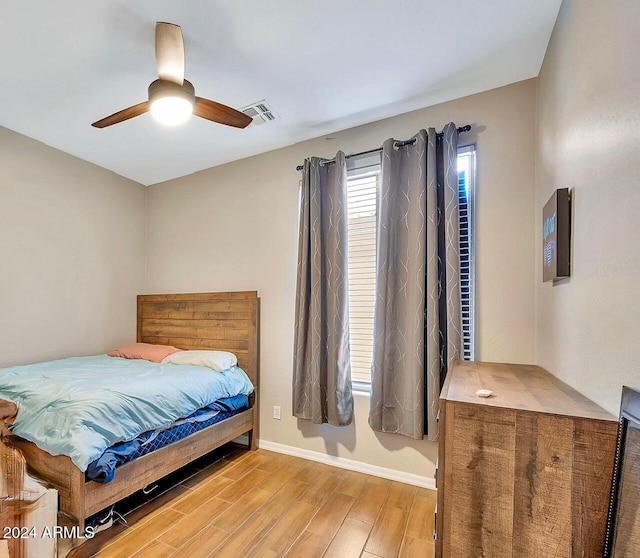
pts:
pixel 171 97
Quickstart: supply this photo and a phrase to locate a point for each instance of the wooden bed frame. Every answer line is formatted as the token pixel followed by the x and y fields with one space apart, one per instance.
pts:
pixel 224 321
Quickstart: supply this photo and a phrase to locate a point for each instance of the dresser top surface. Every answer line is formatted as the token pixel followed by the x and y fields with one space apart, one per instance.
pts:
pixel 518 386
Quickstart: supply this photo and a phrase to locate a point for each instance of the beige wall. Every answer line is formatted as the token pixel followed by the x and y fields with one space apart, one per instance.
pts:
pixel 72 248
pixel 588 139
pixel 234 227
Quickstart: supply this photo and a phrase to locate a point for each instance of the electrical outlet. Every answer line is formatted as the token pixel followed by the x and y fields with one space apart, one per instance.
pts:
pixel 276 412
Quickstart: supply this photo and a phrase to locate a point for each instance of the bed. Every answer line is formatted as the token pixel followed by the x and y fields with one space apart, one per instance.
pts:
pixel 221 321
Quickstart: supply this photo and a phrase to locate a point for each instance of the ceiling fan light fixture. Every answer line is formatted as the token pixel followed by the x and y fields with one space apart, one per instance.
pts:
pixel 171 111
pixel 170 103
pixel 172 98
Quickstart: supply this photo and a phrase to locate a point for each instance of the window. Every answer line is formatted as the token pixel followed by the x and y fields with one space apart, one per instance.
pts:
pixel 466 189
pixel 363 177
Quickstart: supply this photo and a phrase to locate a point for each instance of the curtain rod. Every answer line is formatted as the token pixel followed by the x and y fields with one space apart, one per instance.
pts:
pixel 397 144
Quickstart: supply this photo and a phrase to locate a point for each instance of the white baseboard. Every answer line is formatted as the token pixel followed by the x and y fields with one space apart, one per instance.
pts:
pixel 350 464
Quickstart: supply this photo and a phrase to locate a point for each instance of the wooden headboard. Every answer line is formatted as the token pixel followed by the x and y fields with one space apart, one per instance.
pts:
pixel 222 321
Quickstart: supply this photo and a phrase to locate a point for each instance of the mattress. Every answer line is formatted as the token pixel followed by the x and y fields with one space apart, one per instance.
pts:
pixel 104 468
pixel 80 406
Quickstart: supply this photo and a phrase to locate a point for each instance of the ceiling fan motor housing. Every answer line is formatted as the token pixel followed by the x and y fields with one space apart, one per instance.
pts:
pixel 161 88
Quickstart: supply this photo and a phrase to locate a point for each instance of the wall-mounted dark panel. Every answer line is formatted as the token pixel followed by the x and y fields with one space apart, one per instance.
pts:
pixel 556 236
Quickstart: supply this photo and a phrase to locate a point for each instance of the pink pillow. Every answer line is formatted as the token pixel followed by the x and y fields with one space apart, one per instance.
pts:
pixel 146 351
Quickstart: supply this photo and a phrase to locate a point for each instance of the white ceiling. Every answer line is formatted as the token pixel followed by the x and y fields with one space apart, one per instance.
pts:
pixel 323 67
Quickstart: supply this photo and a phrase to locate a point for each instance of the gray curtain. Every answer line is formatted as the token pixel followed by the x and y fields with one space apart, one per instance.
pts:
pixel 322 359
pixel 417 309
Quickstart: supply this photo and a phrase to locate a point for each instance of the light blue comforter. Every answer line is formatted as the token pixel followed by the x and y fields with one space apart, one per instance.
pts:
pixel 82 405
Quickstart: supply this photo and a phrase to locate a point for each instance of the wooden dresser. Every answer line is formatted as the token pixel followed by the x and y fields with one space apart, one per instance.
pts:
pixel 524 473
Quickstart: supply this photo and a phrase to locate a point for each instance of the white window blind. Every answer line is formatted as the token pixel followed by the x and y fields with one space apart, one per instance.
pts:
pixel 363 175
pixel 466 187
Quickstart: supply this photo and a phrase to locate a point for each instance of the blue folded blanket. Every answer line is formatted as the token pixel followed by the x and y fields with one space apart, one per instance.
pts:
pixel 103 469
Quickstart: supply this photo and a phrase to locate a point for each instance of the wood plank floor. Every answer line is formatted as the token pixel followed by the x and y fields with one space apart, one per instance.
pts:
pixel 264 504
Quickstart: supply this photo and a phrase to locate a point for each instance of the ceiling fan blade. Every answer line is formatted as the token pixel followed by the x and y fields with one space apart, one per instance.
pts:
pixel 122 115
pixel 170 52
pixel 216 112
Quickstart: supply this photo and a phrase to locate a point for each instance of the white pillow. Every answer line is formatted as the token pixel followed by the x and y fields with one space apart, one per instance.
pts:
pixel 216 360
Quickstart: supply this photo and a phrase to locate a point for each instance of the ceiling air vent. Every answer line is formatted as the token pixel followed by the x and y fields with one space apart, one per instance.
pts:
pixel 260 112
